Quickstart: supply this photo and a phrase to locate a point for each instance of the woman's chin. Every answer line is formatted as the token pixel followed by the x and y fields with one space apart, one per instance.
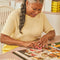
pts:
pixel 33 15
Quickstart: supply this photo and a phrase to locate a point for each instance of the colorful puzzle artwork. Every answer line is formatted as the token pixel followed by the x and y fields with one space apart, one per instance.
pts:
pixel 50 53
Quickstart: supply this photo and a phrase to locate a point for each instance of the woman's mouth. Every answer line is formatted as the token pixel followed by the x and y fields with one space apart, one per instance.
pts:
pixel 33 15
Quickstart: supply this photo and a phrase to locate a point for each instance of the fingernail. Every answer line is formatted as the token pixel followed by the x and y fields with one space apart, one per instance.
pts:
pixel 40 48
pixel 36 46
pixel 43 45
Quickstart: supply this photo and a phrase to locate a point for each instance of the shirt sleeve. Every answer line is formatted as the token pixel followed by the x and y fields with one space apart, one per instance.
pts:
pixel 9 26
pixel 46 25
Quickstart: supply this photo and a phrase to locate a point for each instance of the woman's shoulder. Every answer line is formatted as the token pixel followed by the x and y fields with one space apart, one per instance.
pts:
pixel 15 12
pixel 42 13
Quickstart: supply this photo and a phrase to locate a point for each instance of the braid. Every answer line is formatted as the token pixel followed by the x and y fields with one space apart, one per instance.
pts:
pixel 41 1
pixel 22 16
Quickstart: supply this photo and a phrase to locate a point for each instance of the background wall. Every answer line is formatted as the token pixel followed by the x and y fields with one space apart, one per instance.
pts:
pixel 47 5
pixel 4 2
pixel 54 20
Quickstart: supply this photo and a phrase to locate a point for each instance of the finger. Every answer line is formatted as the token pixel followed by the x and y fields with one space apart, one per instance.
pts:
pixel 31 45
pixel 47 44
pixel 37 45
pixel 45 41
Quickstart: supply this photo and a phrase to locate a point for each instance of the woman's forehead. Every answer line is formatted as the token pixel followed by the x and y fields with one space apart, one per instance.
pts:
pixel 34 1
pixel 38 5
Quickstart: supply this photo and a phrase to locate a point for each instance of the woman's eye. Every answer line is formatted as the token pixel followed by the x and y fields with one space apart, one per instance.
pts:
pixel 39 9
pixel 34 9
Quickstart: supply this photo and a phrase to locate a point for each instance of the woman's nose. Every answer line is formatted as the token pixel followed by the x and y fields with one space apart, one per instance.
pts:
pixel 36 12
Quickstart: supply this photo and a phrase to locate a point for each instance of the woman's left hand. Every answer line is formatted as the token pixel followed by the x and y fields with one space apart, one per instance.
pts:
pixel 43 42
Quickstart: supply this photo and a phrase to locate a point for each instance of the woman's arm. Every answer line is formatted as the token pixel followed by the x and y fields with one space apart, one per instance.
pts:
pixel 50 35
pixel 10 41
pixel 43 42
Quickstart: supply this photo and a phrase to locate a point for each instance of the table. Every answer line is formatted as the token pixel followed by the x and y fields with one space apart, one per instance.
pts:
pixel 9 54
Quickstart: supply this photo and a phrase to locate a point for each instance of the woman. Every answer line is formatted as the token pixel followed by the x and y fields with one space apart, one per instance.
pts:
pixel 24 27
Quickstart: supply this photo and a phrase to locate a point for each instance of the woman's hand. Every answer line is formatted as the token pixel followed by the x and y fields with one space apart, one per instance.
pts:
pixel 44 41
pixel 28 44
pixel 34 44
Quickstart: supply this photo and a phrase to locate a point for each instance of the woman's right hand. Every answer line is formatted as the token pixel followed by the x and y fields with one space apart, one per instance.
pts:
pixel 29 44
pixel 32 44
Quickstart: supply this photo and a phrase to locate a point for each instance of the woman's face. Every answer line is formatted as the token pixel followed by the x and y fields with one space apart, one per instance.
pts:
pixel 32 9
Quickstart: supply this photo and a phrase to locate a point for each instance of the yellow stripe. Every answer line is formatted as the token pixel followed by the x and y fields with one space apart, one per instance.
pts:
pixel 7 48
pixel 4 51
pixel 57 46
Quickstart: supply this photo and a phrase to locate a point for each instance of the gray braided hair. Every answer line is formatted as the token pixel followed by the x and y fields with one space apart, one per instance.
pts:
pixel 22 16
